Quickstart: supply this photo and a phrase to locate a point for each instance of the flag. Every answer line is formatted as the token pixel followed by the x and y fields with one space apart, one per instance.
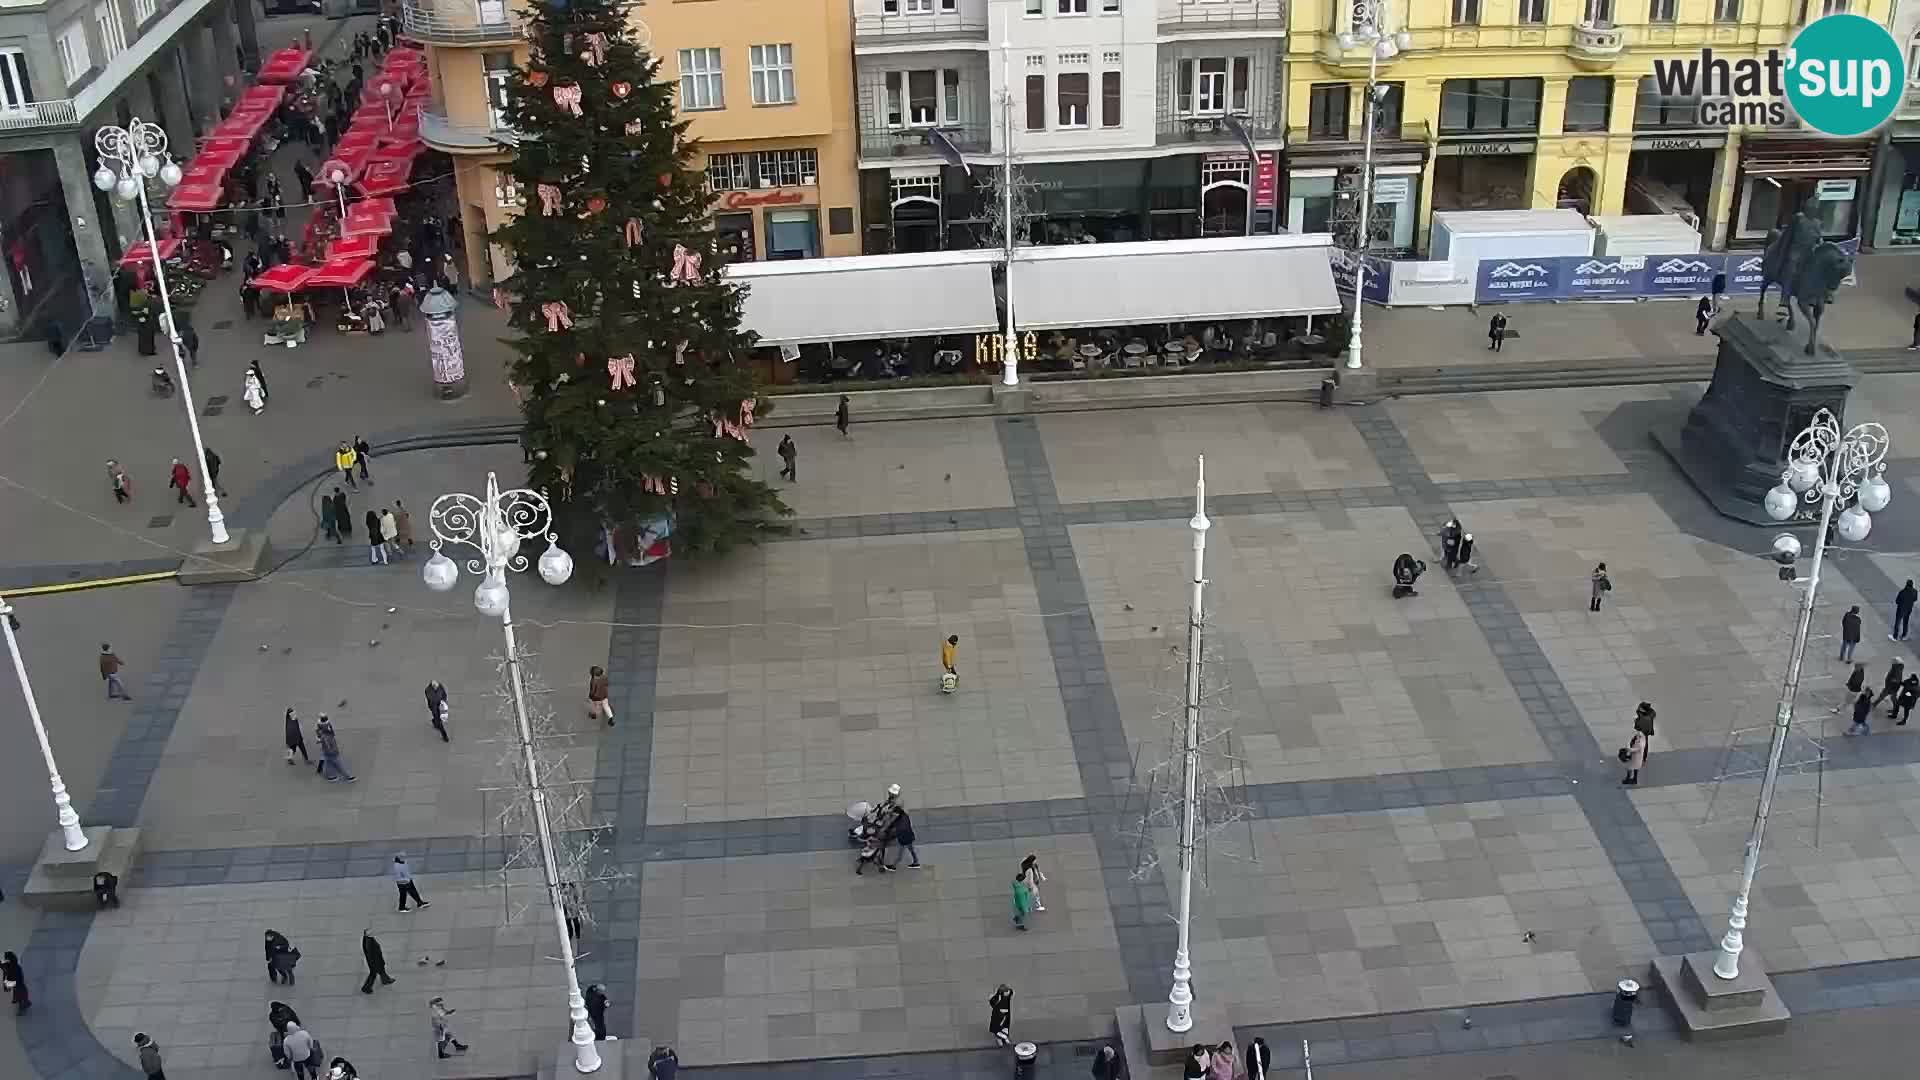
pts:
pixel 1239 131
pixel 944 146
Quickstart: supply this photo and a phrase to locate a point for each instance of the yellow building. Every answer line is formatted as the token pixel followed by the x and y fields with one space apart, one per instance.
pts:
pixel 1532 104
pixel 767 84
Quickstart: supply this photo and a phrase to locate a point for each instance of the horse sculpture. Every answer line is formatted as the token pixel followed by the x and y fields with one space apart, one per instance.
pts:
pixel 1818 278
pixel 1787 249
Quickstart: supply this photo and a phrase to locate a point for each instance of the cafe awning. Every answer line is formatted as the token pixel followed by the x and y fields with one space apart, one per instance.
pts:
pixel 353 247
pixel 872 296
pixel 1168 281
pixel 199 198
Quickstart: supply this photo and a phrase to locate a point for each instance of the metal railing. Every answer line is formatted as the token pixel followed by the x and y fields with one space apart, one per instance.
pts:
pixel 928 26
pixel 1598 37
pixel 1176 129
pixel 458 22
pixel 1197 16
pixel 1414 131
pixel 59 112
pixel 975 138
pixel 438 131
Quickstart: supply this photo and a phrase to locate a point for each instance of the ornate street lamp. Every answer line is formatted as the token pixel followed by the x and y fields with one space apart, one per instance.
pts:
pixel 1368 29
pixel 129 157
pixel 71 835
pixel 494 526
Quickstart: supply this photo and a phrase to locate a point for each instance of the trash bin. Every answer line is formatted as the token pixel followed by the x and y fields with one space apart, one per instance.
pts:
pixel 1623 1002
pixel 1327 386
pixel 1025 1060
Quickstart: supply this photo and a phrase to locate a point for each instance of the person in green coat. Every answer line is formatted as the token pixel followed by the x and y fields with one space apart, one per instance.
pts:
pixel 1022 901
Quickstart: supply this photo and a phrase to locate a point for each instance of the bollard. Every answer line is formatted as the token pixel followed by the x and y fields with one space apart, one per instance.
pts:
pixel 1623 1002
pixel 1326 392
pixel 1025 1060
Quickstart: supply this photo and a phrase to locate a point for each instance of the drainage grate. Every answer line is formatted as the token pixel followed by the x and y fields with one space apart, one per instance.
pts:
pixel 159 521
pixel 317 382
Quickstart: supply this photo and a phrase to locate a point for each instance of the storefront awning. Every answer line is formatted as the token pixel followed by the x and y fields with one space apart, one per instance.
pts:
pixel 872 296
pixel 1167 281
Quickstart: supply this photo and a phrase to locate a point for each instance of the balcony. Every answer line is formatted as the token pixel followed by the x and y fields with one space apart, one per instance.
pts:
pixel 911 143
pixel 459 22
pixel 1595 45
pixel 1222 18
pixel 1385 139
pixel 40 116
pixel 923 32
pixel 437 131
pixel 1212 129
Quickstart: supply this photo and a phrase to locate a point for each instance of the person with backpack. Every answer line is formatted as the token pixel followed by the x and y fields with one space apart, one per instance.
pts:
pixel 1601 584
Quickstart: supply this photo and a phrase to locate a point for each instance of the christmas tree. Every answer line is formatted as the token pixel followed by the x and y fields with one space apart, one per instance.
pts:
pixel 637 413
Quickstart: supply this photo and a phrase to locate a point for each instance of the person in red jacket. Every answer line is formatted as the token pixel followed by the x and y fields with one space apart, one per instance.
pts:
pixel 180 480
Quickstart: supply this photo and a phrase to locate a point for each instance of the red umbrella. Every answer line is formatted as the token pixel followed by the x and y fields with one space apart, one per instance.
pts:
pixel 358 224
pixel 262 94
pixel 196 197
pixel 224 151
pixel 340 272
pixel 284 66
pixel 286 278
pixel 139 254
pixel 353 247
pixel 203 172
pixel 386 176
pixel 244 123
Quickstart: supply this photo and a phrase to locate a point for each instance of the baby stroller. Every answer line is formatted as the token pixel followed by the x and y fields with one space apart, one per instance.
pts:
pixel 1406 571
pixel 869 821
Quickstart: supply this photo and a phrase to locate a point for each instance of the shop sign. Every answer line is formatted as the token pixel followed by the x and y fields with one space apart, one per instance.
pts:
pixel 1832 190
pixel 1378 279
pixel 1518 279
pixel 1680 142
pixel 1486 149
pixel 1683 275
pixel 745 200
pixel 1392 189
pixel 1266 180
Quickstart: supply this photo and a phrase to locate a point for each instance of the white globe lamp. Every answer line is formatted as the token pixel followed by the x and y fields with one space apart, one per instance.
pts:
pixel 1875 494
pixel 556 566
pixel 490 596
pixel 127 189
pixel 170 174
pixel 1786 547
pixel 440 573
pixel 149 166
pixel 1803 475
pixel 103 178
pixel 1781 503
pixel 1854 524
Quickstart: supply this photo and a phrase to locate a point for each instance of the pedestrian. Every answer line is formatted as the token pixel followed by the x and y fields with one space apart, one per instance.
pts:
pixel 842 417
pixel 1450 543
pixel 663 1063
pixel 437 708
pixel 252 393
pixel 598 707
pixel 597 1010
pixel 442 1030
pixel 901 834
pixel 947 650
pixel 253 368
pixel 402 526
pixel 1196 1064
pixel 190 339
pixel 149 1051
pixel 249 298
pixel 1022 901
pixel 304 177
pixel 1862 710
pixel 1702 316
pixel 328 521
pixel 1896 673
pixel 213 469
pixel 122 483
pixel 376 540
pixel 1600 585
pixel 1221 1068
pixel 181 480
pixel 341 1069
pixel 790 455
pixel 1106 1064
pixel 1259 1059
pixel 376 961
pixel 330 765
pixel 342 519
pixel 363 453
pixel 1643 716
pixel 281 958
pixel 302 1049
pixel 14 982
pixel 1000 1014
pixel 1904 702
pixel 570 909
pixel 110 666
pixel 1849 633
pixel 388 526
pixel 403 882
pixel 1916 334
pixel 1856 682
pixel 401 299
pixel 1903 610
pixel 1465 555
pixel 1634 757
pixel 279 1015
pixel 344 459
pixel 296 740
pixel 1030 869
pixel 1496 331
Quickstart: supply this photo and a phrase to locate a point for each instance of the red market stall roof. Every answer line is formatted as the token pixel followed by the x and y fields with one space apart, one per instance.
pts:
pixel 366 225
pixel 203 172
pixel 405 129
pixel 224 151
pixel 139 255
pixel 353 247
pixel 287 277
pixel 284 66
pixel 263 94
pixel 341 273
pixel 196 197
pixel 355 138
pixel 244 123
pixel 386 176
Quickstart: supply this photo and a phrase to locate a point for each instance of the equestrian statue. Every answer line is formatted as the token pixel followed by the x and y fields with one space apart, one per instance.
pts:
pixel 1808 270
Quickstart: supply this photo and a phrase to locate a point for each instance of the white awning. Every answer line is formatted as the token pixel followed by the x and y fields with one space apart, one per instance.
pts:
pixel 1165 281
pixel 869 296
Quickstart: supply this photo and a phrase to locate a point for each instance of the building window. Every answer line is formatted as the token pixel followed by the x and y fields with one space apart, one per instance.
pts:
pixel 1110 99
pixel 1468 106
pixel 1034 8
pixel 1599 13
pixel 106 19
pixel 143 10
pixel 1728 11
pixel 772 70
pixel 1071 88
pixel 1327 110
pixel 1827 7
pixel 1589 98
pixel 729 172
pixel 1533 12
pixel 1036 103
pixel 925 98
pixel 1110 6
pixel 1203 87
pixel 1388 109
pixel 72 47
pixel 1650 110
pixel 1466 12
pixel 700 83
pixel 506 192
pixel 1073 59
pixel 793 234
pixel 1110 58
pixel 16 92
pixel 497 67
pixel 1913 59
pixel 1073 7
pixel 1660 10
pixel 789 168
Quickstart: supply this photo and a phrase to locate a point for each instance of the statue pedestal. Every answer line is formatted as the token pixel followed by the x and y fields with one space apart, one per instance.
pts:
pixel 1765 390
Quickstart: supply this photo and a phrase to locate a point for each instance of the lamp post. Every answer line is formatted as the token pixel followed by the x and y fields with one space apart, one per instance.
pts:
pixel 338 176
pixel 1010 346
pixel 1368 30
pixel 129 157
pixel 494 526
pixel 1826 467
pixel 1180 999
pixel 71 835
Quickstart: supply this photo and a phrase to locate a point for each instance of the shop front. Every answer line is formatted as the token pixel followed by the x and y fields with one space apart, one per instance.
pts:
pixel 1673 173
pixel 1083 202
pixel 769 223
pixel 1483 174
pixel 1323 188
pixel 1778 176
pixel 1230 184
pixel 1897 220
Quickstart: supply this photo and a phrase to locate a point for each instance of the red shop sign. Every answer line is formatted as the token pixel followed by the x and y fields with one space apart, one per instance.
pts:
pixel 1266 180
pixel 741 200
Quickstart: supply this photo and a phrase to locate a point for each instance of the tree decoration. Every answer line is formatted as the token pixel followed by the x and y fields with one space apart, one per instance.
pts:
pixel 621 88
pixel 634 232
pixel 620 370
pixel 686 266
pixel 536 79
pixel 557 316
pixel 568 97
pixel 550 199
pixel 596 52
pixel 596 203
pixel 636 127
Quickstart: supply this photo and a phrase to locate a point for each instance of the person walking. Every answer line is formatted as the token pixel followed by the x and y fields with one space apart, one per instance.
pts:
pixel 1022 901
pixel 402 526
pixel 121 483
pixel 149 1052
pixel 376 961
pixel 303 1050
pixel 328 523
pixel 437 708
pixel 1450 543
pixel 376 541
pixel 947 650
pixel 344 459
pixel 296 740
pixel 1903 610
pixel 1896 674
pixel 403 882
pixel 1905 700
pixel 1862 710
pixel 1259 1059
pixel 1916 334
pixel 363 453
pixel 1106 1064
pixel 790 455
pixel 342 517
pixel 1599 584
pixel 597 1011
pixel 252 393
pixel 179 479
pixel 900 833
pixel 213 471
pixel 1856 682
pixel 14 982
pixel 1030 869
pixel 1702 316
pixel 304 176
pixel 1198 1059
pixel 443 1036
pixel 999 1014
pixel 1496 331
pixel 663 1063
pixel 110 668
pixel 1849 633
pixel 1634 757
pixel 570 909
pixel 842 416
pixel 281 958
pixel 1221 1067
pixel 598 707
pixel 253 368
pixel 400 298
pixel 388 526
pixel 330 765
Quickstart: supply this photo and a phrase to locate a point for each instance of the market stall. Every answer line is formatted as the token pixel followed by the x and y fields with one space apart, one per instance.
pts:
pixel 289 324
pixel 283 66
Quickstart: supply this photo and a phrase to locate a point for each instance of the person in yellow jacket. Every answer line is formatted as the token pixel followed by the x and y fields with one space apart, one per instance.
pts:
pixel 947 649
pixel 344 459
